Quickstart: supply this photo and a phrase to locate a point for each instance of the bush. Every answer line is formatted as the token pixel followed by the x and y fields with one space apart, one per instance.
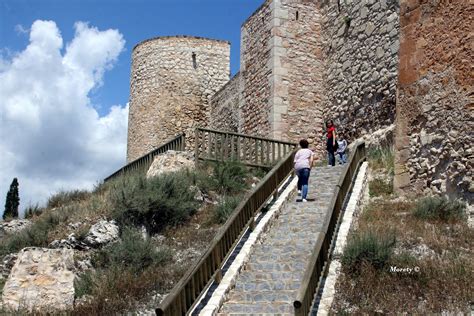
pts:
pixel 154 203
pixel 132 251
pixel 84 284
pixel 35 235
pixel 439 208
pixel 33 210
pixel 226 207
pixel 379 187
pixel 228 177
pixel 65 197
pixel 368 248
pixel 381 158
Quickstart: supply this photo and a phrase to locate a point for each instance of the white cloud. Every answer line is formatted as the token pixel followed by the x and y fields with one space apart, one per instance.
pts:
pixel 51 137
pixel 20 29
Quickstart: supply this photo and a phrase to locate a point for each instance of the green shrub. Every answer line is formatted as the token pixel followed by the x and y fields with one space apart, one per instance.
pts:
pixel 33 210
pixel 225 207
pixel 84 284
pixel 132 251
pixel 35 235
pixel 368 248
pixel 382 158
pixel 439 208
pixel 379 187
pixel 228 177
pixel 154 203
pixel 65 197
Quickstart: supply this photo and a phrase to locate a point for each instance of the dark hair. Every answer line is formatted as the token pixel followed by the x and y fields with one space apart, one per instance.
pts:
pixel 304 143
pixel 329 122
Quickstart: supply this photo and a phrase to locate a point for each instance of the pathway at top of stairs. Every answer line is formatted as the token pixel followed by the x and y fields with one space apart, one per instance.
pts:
pixel 270 280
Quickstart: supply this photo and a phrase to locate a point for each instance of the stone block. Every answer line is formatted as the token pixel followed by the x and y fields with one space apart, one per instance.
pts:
pixel 41 279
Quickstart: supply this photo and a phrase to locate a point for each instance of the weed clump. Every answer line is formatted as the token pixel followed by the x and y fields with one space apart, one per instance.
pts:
pixel 382 158
pixel 227 178
pixel 225 208
pixel 379 187
pixel 439 208
pixel 368 248
pixel 66 197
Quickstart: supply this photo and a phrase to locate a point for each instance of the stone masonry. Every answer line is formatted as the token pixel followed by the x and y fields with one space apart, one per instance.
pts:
pixel 434 135
pixel 225 104
pixel 172 81
pixel 361 59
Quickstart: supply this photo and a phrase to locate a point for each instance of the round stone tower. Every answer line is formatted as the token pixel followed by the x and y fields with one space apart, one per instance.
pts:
pixel 172 81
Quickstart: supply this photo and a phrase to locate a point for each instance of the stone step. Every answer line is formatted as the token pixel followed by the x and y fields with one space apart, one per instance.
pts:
pixel 268 308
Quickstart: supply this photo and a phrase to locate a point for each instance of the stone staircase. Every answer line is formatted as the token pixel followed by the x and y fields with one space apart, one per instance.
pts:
pixel 270 280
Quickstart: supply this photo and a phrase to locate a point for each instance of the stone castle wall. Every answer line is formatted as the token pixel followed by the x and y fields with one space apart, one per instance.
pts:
pixel 361 43
pixel 255 69
pixel 434 136
pixel 172 81
pixel 225 106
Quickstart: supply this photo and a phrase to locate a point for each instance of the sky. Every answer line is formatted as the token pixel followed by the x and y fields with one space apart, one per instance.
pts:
pixel 64 82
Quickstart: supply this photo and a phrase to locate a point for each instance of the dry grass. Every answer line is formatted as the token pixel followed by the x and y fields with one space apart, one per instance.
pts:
pixel 444 281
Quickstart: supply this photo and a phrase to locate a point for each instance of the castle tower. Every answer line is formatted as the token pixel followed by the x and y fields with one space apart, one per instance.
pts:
pixel 171 83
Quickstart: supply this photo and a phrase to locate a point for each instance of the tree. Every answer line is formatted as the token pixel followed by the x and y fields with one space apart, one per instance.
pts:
pixel 13 201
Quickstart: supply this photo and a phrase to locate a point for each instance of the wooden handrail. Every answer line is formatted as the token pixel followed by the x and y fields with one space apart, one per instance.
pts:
pixel 189 288
pixel 317 264
pixel 212 145
pixel 145 161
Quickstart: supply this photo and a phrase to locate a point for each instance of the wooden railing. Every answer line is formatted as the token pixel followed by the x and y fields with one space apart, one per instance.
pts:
pixel 318 262
pixel 144 162
pixel 254 151
pixel 189 288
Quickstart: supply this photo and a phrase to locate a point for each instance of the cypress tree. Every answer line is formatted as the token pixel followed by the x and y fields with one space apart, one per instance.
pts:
pixel 13 201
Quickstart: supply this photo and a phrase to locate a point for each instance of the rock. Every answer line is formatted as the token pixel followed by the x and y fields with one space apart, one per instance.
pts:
pixel 102 233
pixel 14 226
pixel 170 161
pixel 70 242
pixel 7 264
pixel 41 279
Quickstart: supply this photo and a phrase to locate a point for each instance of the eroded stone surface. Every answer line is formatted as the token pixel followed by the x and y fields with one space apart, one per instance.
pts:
pixel 41 279
pixel 14 226
pixel 101 233
pixel 170 161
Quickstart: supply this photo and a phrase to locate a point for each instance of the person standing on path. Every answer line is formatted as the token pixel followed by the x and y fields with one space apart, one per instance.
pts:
pixel 331 144
pixel 341 148
pixel 303 162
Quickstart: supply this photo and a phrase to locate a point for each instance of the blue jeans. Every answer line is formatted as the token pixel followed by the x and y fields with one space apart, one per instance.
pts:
pixel 303 177
pixel 342 157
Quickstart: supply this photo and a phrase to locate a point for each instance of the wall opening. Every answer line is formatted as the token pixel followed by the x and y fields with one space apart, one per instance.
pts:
pixel 194 60
pixel 297 15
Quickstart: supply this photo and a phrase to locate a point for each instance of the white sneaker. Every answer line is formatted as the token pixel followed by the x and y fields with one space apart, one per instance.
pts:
pixel 304 200
pixel 299 192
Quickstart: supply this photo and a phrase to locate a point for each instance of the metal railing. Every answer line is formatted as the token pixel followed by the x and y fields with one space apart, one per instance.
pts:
pixel 186 292
pixel 145 161
pixel 253 151
pixel 320 254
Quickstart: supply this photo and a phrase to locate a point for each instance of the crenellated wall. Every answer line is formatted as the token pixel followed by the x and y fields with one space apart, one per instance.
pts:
pixel 435 112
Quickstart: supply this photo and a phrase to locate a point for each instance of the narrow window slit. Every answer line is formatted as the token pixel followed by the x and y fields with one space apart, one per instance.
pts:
pixel 297 15
pixel 194 60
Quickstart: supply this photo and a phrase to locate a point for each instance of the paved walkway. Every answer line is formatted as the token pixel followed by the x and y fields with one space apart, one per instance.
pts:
pixel 270 280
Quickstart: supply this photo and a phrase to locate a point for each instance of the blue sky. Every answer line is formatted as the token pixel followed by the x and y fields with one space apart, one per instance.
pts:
pixel 136 20
pixel 64 74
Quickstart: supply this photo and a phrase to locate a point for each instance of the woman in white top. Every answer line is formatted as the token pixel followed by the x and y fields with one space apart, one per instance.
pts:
pixel 303 163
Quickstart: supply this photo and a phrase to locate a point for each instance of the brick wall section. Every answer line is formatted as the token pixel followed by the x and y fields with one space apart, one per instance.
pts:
pixel 434 130
pixel 169 93
pixel 300 87
pixel 225 106
pixel 255 69
pixel 361 42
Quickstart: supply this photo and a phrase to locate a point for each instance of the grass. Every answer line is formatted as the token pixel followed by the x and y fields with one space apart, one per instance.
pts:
pixel 440 208
pixel 381 158
pixel 368 248
pixel 444 278
pixel 225 207
pixel 380 187
pixel 67 197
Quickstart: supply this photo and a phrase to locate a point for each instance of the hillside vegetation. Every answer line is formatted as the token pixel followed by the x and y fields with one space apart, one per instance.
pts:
pixel 165 224
pixel 406 255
